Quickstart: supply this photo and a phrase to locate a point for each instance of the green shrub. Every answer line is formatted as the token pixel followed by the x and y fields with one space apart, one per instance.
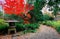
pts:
pixel 58 29
pixel 20 27
pixel 49 23
pixel 23 27
pixel 32 26
pixel 54 24
pixel 3 25
pixel 1 14
pixel 47 17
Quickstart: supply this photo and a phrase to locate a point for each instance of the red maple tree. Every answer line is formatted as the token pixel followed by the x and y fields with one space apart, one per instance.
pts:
pixel 17 7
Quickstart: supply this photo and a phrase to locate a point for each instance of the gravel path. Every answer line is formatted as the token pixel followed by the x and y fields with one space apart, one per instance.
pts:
pixel 45 33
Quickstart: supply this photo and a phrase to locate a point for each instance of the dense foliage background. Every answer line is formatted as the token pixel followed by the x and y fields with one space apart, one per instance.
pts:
pixel 20 13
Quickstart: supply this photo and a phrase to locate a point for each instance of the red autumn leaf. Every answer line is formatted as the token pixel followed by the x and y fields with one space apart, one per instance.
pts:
pixel 13 6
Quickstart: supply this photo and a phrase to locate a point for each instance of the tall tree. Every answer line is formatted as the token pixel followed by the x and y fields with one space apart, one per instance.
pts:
pixel 36 13
pixel 16 7
pixel 39 4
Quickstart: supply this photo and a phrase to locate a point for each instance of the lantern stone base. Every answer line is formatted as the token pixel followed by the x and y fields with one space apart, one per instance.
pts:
pixel 12 29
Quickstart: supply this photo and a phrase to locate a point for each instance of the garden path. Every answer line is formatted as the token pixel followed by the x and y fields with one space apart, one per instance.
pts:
pixel 44 32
